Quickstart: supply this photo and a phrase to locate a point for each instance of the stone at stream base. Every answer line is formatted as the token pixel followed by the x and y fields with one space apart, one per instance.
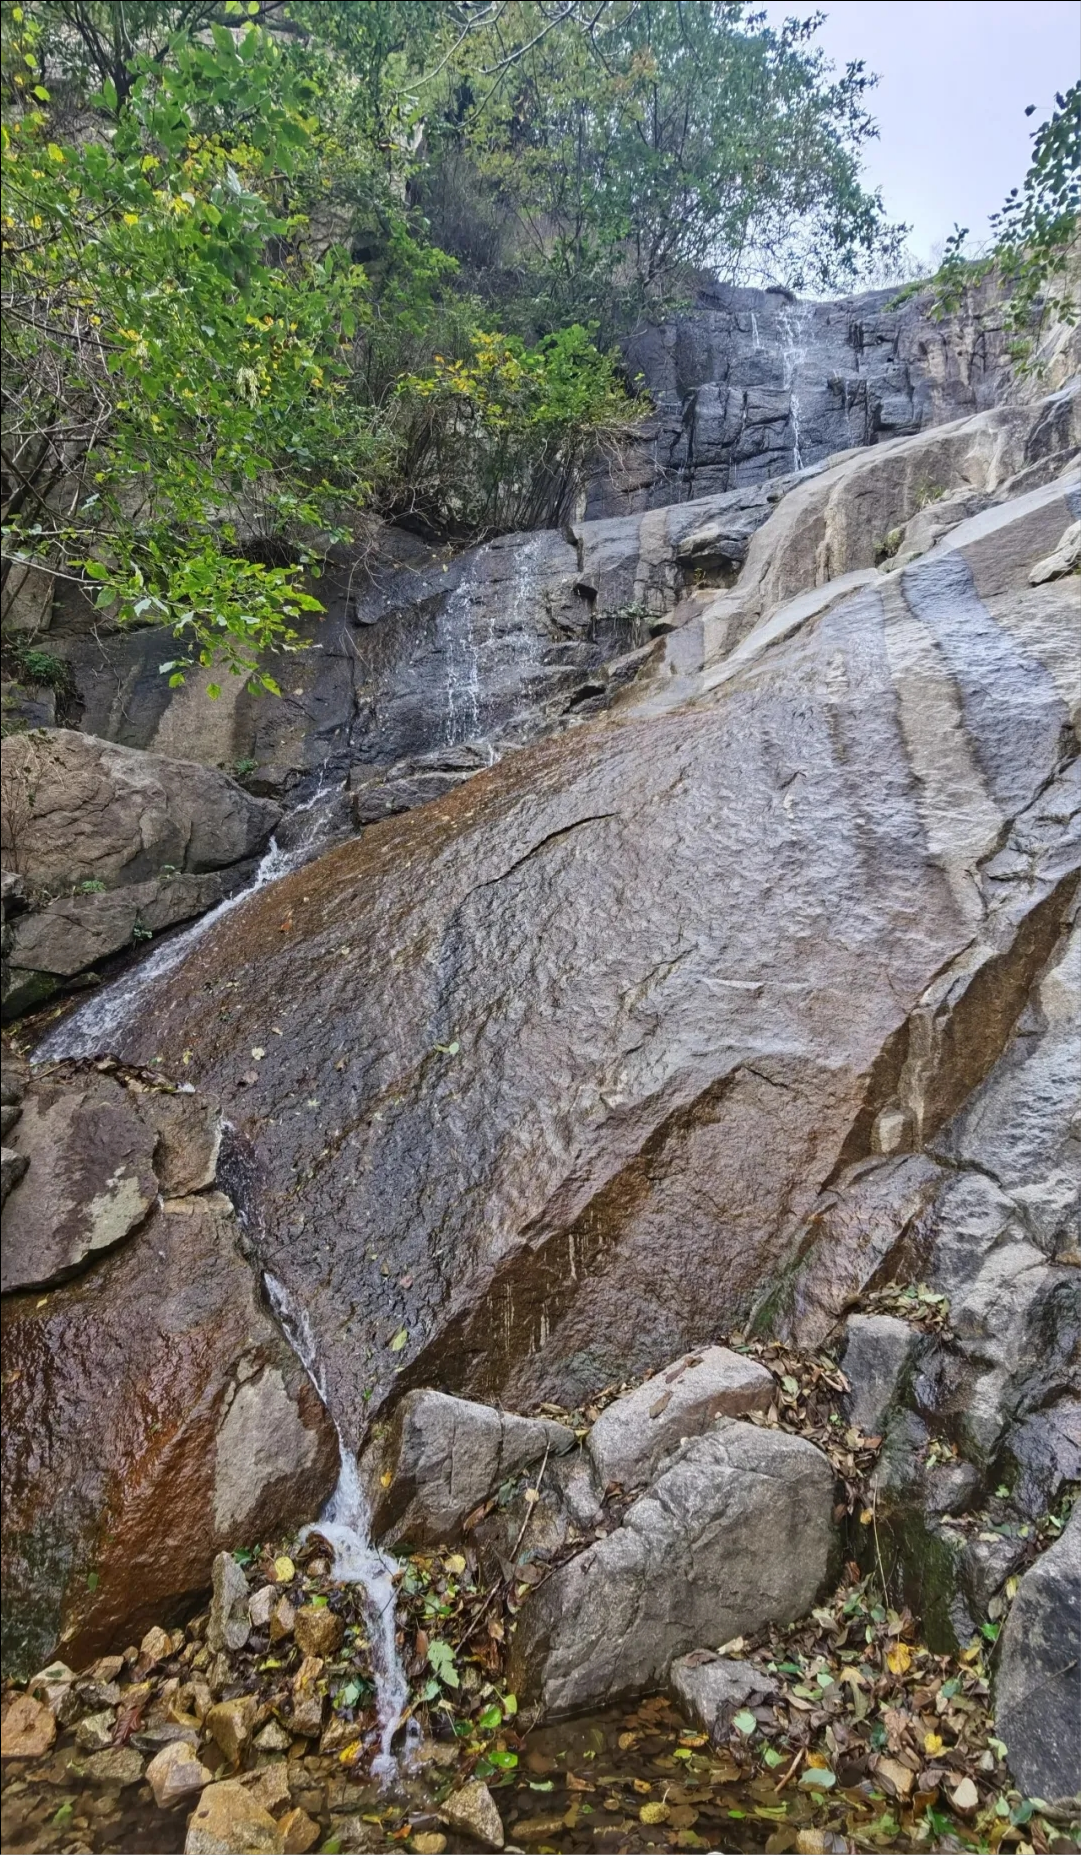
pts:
pixel 1038 1686
pixel 175 1773
pixel 877 1358
pixel 439 1457
pixel 12 1167
pixel 175 1420
pixel 229 1622
pixel 120 1767
pixel 228 1820
pixel 711 1690
pixel 635 1433
pixel 736 1532
pixel 299 1832
pixel 472 1811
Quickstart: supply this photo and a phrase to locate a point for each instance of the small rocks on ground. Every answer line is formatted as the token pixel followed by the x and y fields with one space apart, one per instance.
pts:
pixel 28 1729
pixel 175 1773
pixel 228 1820
pixel 472 1811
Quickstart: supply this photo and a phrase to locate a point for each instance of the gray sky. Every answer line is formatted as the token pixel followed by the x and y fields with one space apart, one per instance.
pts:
pixel 955 79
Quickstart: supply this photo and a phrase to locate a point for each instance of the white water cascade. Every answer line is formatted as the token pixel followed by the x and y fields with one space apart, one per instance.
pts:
pixel 463 666
pixel 345 1524
pixel 89 1030
pixel 793 355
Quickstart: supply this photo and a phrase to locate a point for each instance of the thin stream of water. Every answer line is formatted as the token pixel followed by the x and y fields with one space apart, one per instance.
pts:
pixel 345 1525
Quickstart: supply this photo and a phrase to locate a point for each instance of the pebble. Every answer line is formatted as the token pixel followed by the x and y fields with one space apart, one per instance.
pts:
pixel 53 1687
pixel 228 1626
pixel 227 1820
pixel 299 1834
pixel 175 1773
pixel 121 1766
pixel 472 1810
pixel 230 1724
pixel 28 1729
pixel 273 1738
pixel 269 1785
pixel 282 1619
pixel 318 1630
pixel 260 1605
pixel 94 1733
pixel 156 1645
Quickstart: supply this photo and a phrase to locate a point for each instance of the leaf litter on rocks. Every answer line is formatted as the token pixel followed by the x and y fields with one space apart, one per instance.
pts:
pixel 868 1740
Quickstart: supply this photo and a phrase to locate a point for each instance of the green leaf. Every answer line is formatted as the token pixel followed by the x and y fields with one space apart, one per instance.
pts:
pixel 817 1778
pixel 399 1340
pixel 490 1719
pixel 745 1723
pixel 441 1661
pixel 506 1761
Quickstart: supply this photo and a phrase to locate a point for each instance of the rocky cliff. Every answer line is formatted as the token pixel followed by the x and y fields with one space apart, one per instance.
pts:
pixel 693 952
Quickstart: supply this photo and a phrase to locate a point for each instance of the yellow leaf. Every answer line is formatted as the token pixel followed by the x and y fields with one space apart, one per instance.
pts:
pixel 866 1517
pixel 284 1570
pixel 899 1659
pixel 454 1562
pixel 653 1813
pixel 399 1340
pixel 131 218
pixel 932 1743
pixel 386 1478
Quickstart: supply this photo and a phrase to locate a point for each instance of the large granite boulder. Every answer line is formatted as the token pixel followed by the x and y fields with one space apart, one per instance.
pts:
pixel 635 1432
pixel 154 1415
pixel 438 1458
pixel 736 1532
pixel 96 1153
pixel 112 846
pixel 1038 1683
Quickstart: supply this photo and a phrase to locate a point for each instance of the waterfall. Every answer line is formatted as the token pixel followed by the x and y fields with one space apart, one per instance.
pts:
pixel 793 355
pixel 345 1524
pixel 756 339
pixel 90 1029
pixel 463 667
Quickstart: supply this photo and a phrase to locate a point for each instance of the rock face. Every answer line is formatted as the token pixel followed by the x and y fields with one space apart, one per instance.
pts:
pixel 154 1414
pixel 635 1433
pixel 112 845
pixel 878 1353
pixel 438 1458
pixel 735 1533
pixel 95 1154
pixel 636 1013
pixel 1038 1685
pixel 751 384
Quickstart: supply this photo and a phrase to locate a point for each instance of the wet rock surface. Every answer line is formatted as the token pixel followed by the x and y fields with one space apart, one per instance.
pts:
pixel 750 384
pixel 112 846
pixel 655 987
pixel 153 1411
pixel 1038 1685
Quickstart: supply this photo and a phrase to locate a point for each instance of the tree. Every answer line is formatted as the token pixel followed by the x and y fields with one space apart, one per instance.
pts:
pixel 1036 240
pixel 624 145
